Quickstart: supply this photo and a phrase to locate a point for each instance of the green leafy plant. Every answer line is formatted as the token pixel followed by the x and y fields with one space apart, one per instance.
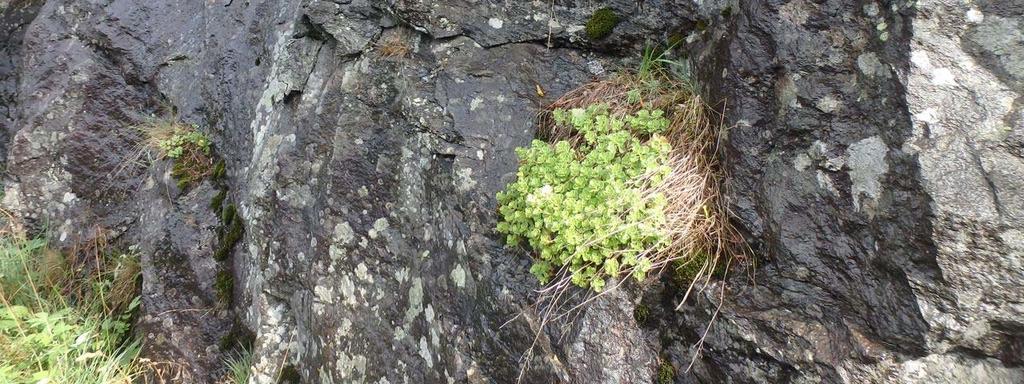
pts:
pixel 184 142
pixel 57 327
pixel 224 284
pixel 190 149
pixel 592 203
pixel 582 205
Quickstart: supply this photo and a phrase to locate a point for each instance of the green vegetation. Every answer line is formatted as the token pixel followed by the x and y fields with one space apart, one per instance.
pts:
pixel 666 372
pixel 185 141
pixel 239 367
pixel 219 170
pixel 601 23
pixel 583 205
pixel 190 149
pixel 641 313
pixel 623 182
pixel 230 233
pixel 217 203
pixel 59 326
pixel 224 284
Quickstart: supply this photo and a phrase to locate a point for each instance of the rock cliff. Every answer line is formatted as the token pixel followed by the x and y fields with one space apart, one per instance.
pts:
pixel 875 162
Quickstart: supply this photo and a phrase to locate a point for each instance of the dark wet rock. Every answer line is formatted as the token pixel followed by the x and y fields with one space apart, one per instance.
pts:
pixel 877 187
pixel 14 18
pixel 557 23
pixel 874 163
pixel 186 325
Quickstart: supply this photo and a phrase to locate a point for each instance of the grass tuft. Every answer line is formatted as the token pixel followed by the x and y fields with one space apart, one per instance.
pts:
pixel 64 323
pixel 190 149
pixel 394 47
pixel 239 367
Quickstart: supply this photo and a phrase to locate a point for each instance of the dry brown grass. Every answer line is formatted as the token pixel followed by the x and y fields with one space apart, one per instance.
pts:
pixel 191 166
pixel 164 372
pixel 394 47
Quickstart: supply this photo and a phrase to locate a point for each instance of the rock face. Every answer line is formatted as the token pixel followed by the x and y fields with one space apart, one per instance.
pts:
pixel 875 166
pixel 876 161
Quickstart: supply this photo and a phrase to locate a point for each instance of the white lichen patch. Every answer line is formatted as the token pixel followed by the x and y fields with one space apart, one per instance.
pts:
pixel 827 104
pixel 362 273
pixel 343 233
pixel 348 290
pixel 495 22
pixel 415 300
pixel 425 352
pixel 871 66
pixel 464 180
pixel 324 294
pixel 475 104
pixel 458 276
pixel 428 314
pixel 867 166
pixel 801 162
pixel 379 226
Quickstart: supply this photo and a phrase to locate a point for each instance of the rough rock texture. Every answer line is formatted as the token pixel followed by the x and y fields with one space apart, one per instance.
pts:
pixel 875 165
pixel 187 325
pixel 15 18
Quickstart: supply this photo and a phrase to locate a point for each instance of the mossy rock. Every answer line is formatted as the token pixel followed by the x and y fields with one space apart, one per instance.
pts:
pixel 289 375
pixel 230 237
pixel 217 203
pixel 237 338
pixel 219 170
pixel 601 23
pixel 224 285
pixel 641 314
pixel 227 215
pixel 666 373
pixel 685 273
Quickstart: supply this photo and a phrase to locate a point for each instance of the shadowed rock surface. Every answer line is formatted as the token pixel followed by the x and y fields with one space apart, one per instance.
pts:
pixel 875 165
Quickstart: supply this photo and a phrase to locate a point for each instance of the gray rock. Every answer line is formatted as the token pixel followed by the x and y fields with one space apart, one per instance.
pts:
pixel 875 166
pixel 902 264
pixel 186 328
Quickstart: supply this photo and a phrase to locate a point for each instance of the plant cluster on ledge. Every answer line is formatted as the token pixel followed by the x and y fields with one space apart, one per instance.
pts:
pixel 624 183
pixel 584 205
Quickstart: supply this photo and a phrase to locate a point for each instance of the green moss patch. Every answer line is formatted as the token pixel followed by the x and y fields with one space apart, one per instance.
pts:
pixel 224 285
pixel 666 373
pixel 601 23
pixel 217 203
pixel 641 314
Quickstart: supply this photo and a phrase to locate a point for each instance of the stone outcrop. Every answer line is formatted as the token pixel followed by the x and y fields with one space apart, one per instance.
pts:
pixel 874 160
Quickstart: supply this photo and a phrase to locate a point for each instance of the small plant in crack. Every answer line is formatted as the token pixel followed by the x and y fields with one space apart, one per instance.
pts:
pixel 395 46
pixel 224 285
pixel 189 149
